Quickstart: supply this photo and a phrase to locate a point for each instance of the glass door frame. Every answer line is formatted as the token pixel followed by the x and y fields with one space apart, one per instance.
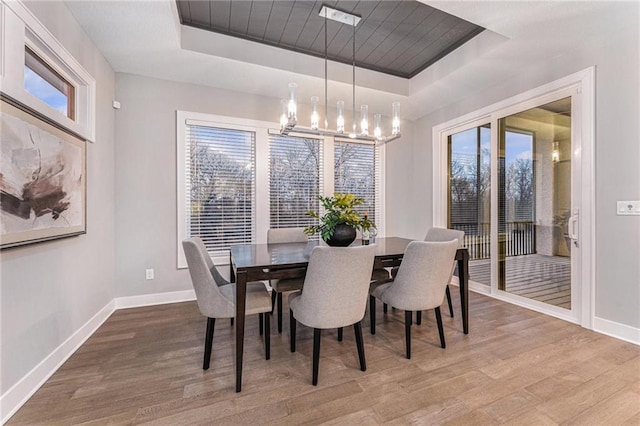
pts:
pixel 580 87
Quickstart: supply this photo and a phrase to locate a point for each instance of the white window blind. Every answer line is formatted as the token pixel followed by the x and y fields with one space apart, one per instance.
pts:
pixel 295 180
pixel 220 185
pixel 357 171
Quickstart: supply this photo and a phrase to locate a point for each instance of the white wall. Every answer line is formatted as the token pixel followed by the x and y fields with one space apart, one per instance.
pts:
pixel 50 290
pixel 617 160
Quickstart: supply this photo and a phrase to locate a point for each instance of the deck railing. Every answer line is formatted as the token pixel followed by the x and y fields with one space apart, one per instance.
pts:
pixel 520 238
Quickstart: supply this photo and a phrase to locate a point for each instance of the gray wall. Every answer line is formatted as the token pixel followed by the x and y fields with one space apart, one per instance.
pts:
pixel 617 159
pixel 50 290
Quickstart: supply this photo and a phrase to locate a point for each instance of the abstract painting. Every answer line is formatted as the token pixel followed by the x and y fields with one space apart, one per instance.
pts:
pixel 42 180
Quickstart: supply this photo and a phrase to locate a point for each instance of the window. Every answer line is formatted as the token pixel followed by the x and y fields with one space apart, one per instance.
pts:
pixel 294 180
pixel 46 84
pixel 42 75
pixel 220 182
pixel 236 179
pixel 355 171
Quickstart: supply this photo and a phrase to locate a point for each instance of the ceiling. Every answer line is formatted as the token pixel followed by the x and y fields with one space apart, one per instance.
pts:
pixel 399 38
pixel 146 38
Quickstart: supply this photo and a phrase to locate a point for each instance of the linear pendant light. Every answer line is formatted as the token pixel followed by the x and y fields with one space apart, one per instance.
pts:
pixel 289 116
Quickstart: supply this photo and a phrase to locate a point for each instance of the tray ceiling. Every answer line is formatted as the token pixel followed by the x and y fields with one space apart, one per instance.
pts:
pixel 399 38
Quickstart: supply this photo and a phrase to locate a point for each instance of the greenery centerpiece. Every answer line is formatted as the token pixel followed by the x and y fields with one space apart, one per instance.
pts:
pixel 337 226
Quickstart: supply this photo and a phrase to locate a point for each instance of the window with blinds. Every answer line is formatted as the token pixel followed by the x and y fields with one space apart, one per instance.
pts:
pixel 357 171
pixel 295 180
pixel 220 185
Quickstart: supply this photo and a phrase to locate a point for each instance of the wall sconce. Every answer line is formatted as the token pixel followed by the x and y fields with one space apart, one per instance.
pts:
pixel 555 153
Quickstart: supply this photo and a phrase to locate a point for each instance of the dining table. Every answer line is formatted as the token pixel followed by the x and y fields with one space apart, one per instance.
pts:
pixel 258 262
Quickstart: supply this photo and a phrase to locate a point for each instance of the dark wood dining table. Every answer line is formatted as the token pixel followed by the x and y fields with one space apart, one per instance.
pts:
pixel 257 262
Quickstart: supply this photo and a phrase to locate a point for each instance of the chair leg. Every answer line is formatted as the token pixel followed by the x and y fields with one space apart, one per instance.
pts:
pixel 339 334
pixel 372 314
pixel 292 331
pixel 385 308
pixel 273 300
pixel 261 323
pixel 316 354
pixel 449 301
pixel 208 342
pixel 357 328
pixel 419 317
pixel 440 328
pixel 267 336
pixel 279 313
pixel 408 317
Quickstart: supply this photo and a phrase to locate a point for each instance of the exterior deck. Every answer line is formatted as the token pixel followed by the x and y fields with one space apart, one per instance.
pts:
pixel 538 277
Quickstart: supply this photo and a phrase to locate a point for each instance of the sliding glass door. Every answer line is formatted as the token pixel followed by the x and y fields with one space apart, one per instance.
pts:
pixel 512 189
pixel 469 195
pixel 534 203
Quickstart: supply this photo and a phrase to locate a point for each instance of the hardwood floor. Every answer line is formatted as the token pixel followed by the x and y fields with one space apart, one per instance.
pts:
pixel 144 366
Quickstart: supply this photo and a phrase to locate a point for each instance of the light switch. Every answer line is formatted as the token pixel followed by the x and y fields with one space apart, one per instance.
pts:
pixel 627 208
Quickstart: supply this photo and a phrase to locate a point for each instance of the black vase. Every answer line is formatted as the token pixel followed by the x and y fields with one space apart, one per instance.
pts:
pixel 343 235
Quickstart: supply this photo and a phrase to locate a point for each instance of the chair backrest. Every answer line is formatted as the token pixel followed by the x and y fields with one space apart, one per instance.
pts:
pixel 444 234
pixel 211 302
pixel 336 286
pixel 286 235
pixel 218 278
pixel 423 275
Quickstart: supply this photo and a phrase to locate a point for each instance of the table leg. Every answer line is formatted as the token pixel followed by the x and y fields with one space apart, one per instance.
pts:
pixel 241 293
pixel 463 278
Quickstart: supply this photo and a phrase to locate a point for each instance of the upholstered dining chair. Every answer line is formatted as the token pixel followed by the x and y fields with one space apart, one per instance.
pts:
pixel 278 236
pixel 419 285
pixel 440 234
pixel 216 296
pixel 334 296
pixel 444 234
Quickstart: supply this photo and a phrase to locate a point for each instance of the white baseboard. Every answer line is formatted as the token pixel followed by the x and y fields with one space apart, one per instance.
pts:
pixel 617 330
pixel 154 299
pixel 19 393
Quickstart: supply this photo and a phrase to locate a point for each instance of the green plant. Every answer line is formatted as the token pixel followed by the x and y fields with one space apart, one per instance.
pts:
pixel 338 209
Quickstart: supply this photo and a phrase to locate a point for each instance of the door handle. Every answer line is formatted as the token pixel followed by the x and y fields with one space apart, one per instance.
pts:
pixel 571 227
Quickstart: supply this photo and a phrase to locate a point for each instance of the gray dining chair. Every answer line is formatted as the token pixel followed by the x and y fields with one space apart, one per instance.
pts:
pixel 280 236
pixel 334 296
pixel 216 296
pixel 440 234
pixel 444 234
pixel 419 285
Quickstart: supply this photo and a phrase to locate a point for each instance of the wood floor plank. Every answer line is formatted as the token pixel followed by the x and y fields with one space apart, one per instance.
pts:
pixel 144 366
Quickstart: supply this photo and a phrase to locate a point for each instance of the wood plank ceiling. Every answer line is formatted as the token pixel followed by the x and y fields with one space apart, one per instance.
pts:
pixel 400 38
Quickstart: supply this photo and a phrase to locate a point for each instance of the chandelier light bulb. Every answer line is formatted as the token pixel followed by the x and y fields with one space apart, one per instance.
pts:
pixel 292 107
pixel 377 132
pixel 340 119
pixel 315 118
pixel 283 114
pixel 395 121
pixel 364 120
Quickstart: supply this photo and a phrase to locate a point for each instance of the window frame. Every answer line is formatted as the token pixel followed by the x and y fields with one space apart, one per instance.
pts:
pixel 262 177
pixel 42 69
pixel 21 30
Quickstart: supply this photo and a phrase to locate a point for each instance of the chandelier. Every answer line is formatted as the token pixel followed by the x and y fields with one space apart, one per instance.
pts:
pixel 289 116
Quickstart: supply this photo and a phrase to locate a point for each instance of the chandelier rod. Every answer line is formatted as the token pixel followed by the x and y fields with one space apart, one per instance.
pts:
pixel 326 95
pixel 355 128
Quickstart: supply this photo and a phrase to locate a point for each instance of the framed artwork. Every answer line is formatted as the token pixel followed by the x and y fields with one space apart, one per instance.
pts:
pixel 42 180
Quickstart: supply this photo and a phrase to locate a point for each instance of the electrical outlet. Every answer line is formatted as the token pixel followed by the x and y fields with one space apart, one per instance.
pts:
pixel 626 208
pixel 149 274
